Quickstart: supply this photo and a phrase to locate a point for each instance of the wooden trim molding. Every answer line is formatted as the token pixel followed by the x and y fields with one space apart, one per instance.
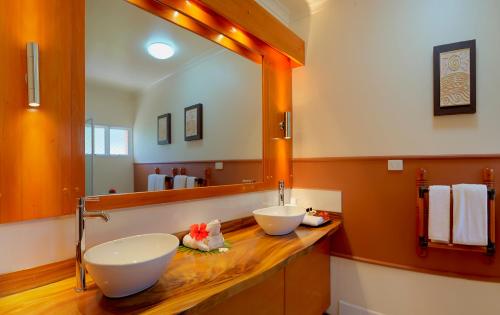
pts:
pixel 250 16
pixel 23 280
pixel 467 276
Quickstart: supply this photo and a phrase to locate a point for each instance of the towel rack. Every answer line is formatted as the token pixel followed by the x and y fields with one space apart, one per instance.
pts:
pixel 423 216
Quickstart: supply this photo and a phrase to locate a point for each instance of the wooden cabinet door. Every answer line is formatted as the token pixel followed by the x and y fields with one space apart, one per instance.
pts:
pixel 265 298
pixel 40 170
pixel 307 282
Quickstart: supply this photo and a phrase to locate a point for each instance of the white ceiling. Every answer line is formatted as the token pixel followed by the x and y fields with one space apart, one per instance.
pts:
pixel 290 10
pixel 117 34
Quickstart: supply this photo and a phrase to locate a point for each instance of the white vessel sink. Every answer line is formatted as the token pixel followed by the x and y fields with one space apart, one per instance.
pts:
pixel 279 220
pixel 129 265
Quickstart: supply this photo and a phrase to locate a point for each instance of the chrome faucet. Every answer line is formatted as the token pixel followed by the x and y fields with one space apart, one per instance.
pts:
pixel 81 214
pixel 282 192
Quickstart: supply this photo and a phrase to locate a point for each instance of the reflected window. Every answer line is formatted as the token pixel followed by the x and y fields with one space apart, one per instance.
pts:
pixel 118 141
pixel 100 140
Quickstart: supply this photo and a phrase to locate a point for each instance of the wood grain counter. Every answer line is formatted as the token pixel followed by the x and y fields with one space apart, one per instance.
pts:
pixel 193 283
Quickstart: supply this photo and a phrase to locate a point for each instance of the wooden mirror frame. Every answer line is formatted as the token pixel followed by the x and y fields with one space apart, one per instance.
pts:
pixel 252 32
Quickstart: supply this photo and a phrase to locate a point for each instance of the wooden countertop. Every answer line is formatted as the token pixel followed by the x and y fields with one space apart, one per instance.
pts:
pixel 192 283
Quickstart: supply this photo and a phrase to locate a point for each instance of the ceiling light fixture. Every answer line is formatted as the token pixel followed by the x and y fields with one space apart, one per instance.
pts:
pixel 160 50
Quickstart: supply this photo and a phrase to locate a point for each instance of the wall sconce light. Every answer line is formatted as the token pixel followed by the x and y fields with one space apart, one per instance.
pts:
pixel 286 125
pixel 32 76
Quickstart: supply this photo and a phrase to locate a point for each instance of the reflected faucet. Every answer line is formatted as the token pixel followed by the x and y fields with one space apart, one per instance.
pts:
pixel 282 192
pixel 81 214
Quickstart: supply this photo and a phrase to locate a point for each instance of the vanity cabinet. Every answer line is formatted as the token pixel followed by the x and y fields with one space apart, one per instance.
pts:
pixel 41 157
pixel 302 287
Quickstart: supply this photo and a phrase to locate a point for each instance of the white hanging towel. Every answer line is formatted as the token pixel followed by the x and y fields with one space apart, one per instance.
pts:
pixel 180 181
pixel 190 182
pixel 470 214
pixel 160 182
pixel 439 213
pixel 152 182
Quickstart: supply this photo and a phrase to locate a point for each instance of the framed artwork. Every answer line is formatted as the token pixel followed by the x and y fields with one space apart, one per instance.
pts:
pixel 164 129
pixel 455 78
pixel 193 122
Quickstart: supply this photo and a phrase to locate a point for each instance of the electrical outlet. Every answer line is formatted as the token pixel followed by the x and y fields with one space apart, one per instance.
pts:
pixel 395 165
pixel 219 165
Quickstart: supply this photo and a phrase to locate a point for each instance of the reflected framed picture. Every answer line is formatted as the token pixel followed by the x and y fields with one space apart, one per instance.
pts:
pixel 164 129
pixel 193 122
pixel 455 78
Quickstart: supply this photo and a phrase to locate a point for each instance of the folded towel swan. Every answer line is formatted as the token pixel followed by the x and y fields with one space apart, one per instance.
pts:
pixel 204 237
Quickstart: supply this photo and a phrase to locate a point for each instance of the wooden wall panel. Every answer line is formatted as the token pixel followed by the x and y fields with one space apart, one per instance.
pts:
pixel 264 298
pixel 233 173
pixel 36 143
pixel 379 210
pixel 307 282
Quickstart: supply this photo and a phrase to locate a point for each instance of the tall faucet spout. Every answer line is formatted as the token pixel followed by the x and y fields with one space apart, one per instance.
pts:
pixel 282 193
pixel 81 215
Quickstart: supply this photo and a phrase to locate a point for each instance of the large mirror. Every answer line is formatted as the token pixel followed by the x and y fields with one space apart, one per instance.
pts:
pixel 166 108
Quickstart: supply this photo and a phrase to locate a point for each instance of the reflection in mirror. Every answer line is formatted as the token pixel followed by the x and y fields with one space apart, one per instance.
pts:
pixel 181 115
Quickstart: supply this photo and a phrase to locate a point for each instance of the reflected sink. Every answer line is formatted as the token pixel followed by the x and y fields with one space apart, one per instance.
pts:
pixel 129 265
pixel 279 220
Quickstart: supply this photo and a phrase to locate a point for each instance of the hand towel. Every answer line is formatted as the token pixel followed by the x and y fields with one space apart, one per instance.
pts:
pixel 180 181
pixel 439 213
pixel 190 182
pixel 152 182
pixel 160 182
pixel 470 214
pixel 313 220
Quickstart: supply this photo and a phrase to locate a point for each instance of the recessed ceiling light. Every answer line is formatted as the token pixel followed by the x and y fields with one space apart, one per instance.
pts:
pixel 160 50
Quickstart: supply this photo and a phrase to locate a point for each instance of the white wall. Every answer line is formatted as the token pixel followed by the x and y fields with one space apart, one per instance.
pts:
pixel 367 87
pixel 40 242
pixel 111 106
pixel 393 291
pixel 230 89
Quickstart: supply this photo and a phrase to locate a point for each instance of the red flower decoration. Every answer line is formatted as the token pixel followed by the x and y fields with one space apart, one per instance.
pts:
pixel 199 232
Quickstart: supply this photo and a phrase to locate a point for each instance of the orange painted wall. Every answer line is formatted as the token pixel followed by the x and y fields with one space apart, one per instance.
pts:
pixel 379 209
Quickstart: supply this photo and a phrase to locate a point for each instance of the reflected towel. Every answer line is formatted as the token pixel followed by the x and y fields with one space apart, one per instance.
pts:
pixel 470 214
pixel 190 182
pixel 160 182
pixel 180 181
pixel 439 213
pixel 152 182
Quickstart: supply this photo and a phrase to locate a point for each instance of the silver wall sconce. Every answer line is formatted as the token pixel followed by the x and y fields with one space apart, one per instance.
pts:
pixel 32 76
pixel 286 125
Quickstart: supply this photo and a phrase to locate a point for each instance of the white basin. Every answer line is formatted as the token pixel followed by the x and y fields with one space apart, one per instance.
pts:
pixel 279 220
pixel 129 265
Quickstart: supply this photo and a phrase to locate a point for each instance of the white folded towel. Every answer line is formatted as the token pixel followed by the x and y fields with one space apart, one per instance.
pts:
pixel 152 182
pixel 160 182
pixel 190 182
pixel 439 213
pixel 180 181
pixel 312 220
pixel 470 214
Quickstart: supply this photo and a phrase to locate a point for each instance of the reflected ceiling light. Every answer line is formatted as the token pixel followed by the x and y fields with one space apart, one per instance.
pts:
pixel 176 13
pixel 219 37
pixel 160 50
pixel 233 29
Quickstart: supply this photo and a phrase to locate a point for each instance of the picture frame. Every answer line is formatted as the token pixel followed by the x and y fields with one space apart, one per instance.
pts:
pixel 193 122
pixel 455 78
pixel 164 129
